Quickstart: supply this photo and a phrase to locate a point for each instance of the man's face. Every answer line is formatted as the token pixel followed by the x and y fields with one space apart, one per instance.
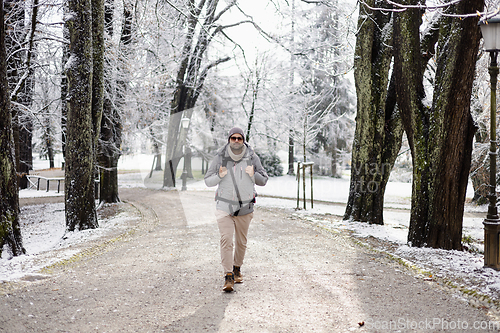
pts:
pixel 236 141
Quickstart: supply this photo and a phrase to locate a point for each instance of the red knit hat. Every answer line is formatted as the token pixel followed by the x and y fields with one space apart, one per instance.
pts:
pixel 236 130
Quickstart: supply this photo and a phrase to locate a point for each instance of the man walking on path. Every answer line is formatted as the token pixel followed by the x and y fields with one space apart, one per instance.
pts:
pixel 235 169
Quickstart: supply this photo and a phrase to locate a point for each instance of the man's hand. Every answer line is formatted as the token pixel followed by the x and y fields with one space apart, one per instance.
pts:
pixel 249 169
pixel 222 171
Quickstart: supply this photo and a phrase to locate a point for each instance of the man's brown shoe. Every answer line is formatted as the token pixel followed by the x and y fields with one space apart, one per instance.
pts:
pixel 238 277
pixel 229 283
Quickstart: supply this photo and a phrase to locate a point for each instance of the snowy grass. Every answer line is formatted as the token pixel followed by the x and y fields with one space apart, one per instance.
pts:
pixel 46 241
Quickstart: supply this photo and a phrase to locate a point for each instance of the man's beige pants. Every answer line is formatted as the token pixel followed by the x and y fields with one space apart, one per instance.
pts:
pixel 229 226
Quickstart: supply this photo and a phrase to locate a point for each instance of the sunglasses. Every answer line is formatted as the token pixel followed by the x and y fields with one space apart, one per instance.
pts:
pixel 236 138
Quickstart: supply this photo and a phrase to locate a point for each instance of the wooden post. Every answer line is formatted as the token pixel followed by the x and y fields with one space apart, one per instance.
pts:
pixel 298 184
pixel 302 167
pixel 312 200
pixel 304 183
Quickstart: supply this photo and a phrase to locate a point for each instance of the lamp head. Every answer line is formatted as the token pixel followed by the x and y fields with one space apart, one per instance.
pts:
pixel 185 122
pixel 490 28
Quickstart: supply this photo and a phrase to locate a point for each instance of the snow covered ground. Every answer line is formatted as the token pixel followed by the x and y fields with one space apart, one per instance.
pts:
pixel 460 269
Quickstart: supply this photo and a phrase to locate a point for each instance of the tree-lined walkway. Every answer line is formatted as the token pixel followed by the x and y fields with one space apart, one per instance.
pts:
pixel 166 277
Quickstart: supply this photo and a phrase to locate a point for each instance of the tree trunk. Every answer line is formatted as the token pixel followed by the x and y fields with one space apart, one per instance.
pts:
pixel 24 135
pixel 332 149
pixel 291 147
pixel 109 179
pixel 97 79
pixel 156 151
pixel 408 69
pixel 10 233
pixel 255 94
pixel 64 93
pixel 47 139
pixel 440 137
pixel 109 153
pixel 79 176
pixel 26 151
pixel 111 125
pixel 378 126
pixel 98 67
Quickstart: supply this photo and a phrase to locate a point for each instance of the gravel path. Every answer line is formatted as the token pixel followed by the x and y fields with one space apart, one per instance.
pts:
pixel 165 276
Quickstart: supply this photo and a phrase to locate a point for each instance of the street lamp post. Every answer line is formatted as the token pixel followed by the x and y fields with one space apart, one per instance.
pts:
pixel 185 125
pixel 490 29
pixel 184 176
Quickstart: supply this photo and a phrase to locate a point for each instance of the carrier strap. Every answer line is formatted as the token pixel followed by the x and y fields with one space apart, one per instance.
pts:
pixel 231 172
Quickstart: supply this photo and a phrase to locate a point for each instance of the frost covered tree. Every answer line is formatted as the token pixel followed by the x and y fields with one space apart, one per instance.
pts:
pixel 378 134
pixel 253 84
pixel 439 126
pixel 316 38
pixel 46 107
pixel 440 133
pixel 10 233
pixel 64 89
pixel 111 126
pixel 97 35
pixel 324 57
pixel 202 27
pixel 480 165
pixel 80 160
pixel 480 108
pixel 20 47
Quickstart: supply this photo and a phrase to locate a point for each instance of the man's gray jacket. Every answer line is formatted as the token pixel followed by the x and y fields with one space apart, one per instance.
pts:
pixel 236 191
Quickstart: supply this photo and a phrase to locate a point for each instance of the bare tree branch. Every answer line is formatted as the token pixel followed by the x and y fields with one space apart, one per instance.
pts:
pixel 321 2
pixel 262 32
pixel 444 5
pixel 204 72
pixel 27 63
pixel 194 15
pixel 401 8
pixel 231 4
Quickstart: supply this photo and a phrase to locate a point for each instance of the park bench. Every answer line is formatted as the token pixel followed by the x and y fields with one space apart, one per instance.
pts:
pixel 34 181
